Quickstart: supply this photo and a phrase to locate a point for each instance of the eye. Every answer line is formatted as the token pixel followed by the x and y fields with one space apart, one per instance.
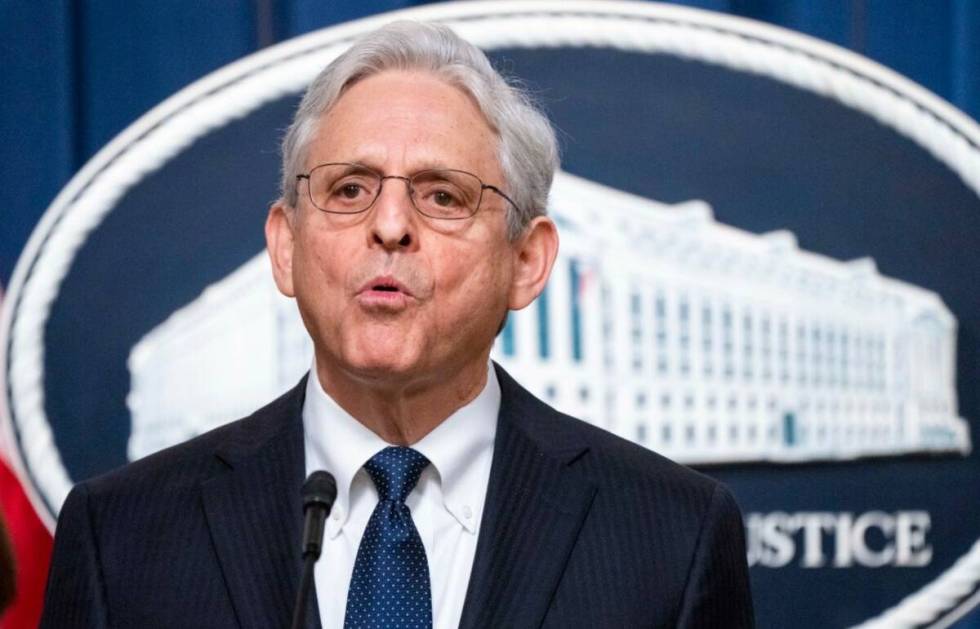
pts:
pixel 444 198
pixel 445 193
pixel 350 190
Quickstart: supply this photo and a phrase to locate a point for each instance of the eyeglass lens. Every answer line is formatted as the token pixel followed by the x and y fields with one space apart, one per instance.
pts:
pixel 351 188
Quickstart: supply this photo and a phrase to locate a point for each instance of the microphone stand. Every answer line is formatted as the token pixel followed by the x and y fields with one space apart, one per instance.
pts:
pixel 299 611
pixel 319 492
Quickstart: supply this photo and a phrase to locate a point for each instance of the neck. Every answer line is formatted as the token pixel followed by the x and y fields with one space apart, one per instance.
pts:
pixel 403 410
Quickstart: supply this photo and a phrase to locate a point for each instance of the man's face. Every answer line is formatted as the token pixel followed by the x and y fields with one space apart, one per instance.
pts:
pixel 389 293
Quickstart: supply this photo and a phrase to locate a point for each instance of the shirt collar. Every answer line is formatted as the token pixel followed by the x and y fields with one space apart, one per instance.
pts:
pixel 337 442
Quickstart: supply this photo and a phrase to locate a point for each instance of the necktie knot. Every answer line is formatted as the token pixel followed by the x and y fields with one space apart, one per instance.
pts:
pixel 395 472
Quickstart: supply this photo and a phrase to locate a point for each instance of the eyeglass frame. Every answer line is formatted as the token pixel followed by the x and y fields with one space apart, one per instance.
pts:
pixel 408 183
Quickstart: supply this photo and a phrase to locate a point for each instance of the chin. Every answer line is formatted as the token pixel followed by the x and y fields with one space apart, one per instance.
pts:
pixel 381 360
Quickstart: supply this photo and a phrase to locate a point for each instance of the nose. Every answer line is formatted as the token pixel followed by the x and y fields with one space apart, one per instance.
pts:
pixel 393 222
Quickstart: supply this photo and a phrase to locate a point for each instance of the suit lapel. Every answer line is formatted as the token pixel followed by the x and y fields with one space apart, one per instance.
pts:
pixel 254 514
pixel 535 506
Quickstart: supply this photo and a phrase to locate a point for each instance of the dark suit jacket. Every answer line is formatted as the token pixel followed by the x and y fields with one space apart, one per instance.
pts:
pixel 581 529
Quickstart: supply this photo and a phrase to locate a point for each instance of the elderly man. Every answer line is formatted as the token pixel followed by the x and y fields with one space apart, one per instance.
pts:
pixel 412 219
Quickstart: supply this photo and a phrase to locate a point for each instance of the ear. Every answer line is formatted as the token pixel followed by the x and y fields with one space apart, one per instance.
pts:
pixel 279 243
pixel 535 252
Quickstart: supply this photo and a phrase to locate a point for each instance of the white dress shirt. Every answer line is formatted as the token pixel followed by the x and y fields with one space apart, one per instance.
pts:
pixel 446 504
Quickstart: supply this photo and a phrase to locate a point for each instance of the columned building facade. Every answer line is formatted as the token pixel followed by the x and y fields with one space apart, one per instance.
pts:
pixel 702 341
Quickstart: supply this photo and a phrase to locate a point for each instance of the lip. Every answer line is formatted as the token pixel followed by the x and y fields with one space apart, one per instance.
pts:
pixel 384 292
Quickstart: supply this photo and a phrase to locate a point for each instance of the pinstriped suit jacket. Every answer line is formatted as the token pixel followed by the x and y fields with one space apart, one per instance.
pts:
pixel 582 529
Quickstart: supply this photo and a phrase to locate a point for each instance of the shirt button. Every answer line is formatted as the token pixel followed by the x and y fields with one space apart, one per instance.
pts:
pixel 467 512
pixel 336 514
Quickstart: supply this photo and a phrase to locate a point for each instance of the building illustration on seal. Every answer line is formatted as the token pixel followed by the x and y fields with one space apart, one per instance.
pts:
pixel 705 342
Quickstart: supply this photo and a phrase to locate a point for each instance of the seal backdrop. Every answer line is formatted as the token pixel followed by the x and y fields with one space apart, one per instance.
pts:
pixel 738 201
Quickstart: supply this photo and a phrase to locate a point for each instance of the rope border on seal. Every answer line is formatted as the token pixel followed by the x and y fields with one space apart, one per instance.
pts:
pixel 243 86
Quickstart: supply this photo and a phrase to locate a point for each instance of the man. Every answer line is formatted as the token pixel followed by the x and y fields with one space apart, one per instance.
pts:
pixel 412 219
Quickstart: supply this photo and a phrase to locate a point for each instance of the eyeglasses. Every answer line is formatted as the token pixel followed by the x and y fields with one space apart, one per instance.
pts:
pixel 349 188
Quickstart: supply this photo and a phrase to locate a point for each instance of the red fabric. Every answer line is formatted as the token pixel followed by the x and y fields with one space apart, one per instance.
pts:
pixel 31 543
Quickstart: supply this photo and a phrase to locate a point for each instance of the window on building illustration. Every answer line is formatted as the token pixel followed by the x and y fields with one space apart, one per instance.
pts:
pixel 665 432
pixel 816 354
pixel 641 433
pixel 790 436
pixel 882 373
pixel 636 330
pixel 844 358
pixel 831 353
pixel 783 351
pixel 507 341
pixel 641 399
pixel 765 332
pixel 684 336
pixel 660 318
pixel 858 363
pixel 728 341
pixel 800 354
pixel 707 341
pixel 660 312
pixel 575 277
pixel 748 346
pixel 583 394
pixel 870 363
pixel 544 331
pixel 607 316
pixel 608 346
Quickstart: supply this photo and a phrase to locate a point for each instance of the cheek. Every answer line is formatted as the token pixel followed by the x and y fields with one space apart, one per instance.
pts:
pixel 476 283
pixel 317 269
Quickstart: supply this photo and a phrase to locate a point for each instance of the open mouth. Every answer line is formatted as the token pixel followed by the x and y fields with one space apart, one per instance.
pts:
pixel 384 292
pixel 384 284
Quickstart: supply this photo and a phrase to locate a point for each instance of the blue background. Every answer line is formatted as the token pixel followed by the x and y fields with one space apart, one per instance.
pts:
pixel 75 74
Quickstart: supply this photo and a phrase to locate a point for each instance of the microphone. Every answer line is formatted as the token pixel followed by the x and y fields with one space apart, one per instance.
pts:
pixel 319 491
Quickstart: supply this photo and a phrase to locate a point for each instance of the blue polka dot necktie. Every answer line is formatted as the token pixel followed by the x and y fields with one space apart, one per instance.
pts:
pixel 390 585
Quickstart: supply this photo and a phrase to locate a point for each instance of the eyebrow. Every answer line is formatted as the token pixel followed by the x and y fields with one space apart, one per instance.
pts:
pixel 357 167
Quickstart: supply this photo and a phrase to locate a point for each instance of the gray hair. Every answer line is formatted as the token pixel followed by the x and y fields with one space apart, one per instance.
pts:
pixel 527 150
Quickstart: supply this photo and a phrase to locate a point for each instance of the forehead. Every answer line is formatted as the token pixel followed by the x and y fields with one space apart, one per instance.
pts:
pixel 402 120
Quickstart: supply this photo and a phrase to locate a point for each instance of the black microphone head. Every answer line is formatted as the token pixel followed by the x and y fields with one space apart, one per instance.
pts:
pixel 320 489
